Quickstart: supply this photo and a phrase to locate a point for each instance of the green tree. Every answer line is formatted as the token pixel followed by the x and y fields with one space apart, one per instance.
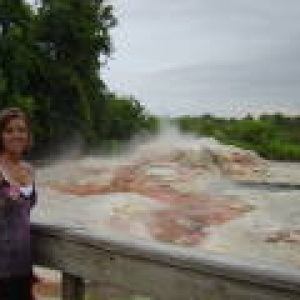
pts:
pixel 125 117
pixel 51 61
pixel 16 56
pixel 73 36
pixel 272 136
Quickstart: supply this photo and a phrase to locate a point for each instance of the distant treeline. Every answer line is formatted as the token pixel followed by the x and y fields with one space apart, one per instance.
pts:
pixel 51 60
pixel 273 136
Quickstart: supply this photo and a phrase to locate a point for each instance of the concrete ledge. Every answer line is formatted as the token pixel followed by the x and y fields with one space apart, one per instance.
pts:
pixel 166 272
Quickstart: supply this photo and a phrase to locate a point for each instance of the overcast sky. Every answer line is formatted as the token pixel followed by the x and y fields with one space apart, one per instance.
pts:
pixel 226 57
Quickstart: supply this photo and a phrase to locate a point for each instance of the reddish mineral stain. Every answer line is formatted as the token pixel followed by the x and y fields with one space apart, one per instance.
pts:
pixel 183 223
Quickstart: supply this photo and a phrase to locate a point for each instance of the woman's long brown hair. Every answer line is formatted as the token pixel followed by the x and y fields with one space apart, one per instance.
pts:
pixel 8 114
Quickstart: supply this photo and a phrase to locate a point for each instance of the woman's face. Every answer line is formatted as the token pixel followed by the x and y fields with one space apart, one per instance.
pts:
pixel 15 136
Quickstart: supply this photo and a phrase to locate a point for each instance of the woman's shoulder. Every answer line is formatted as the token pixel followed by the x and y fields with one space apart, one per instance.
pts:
pixel 29 166
pixel 2 178
pixel 2 173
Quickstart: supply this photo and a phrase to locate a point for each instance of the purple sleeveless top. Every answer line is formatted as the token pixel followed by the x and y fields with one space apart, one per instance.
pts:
pixel 15 254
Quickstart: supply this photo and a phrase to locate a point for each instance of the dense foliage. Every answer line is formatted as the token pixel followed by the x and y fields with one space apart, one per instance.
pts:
pixel 51 60
pixel 272 136
pixel 125 118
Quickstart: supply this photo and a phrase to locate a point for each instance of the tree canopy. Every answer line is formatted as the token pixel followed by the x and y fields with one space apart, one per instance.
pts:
pixel 51 60
pixel 274 136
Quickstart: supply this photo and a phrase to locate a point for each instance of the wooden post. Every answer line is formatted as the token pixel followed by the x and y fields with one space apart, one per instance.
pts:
pixel 72 287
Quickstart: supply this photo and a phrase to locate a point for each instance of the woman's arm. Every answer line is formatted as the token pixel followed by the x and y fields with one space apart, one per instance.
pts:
pixel 2 198
pixel 34 196
pixel 5 196
pixel 33 199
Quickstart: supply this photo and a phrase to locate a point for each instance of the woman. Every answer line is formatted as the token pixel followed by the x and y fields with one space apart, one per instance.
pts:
pixel 17 197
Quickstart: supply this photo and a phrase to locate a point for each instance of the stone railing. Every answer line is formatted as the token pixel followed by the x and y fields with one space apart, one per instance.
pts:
pixel 156 270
